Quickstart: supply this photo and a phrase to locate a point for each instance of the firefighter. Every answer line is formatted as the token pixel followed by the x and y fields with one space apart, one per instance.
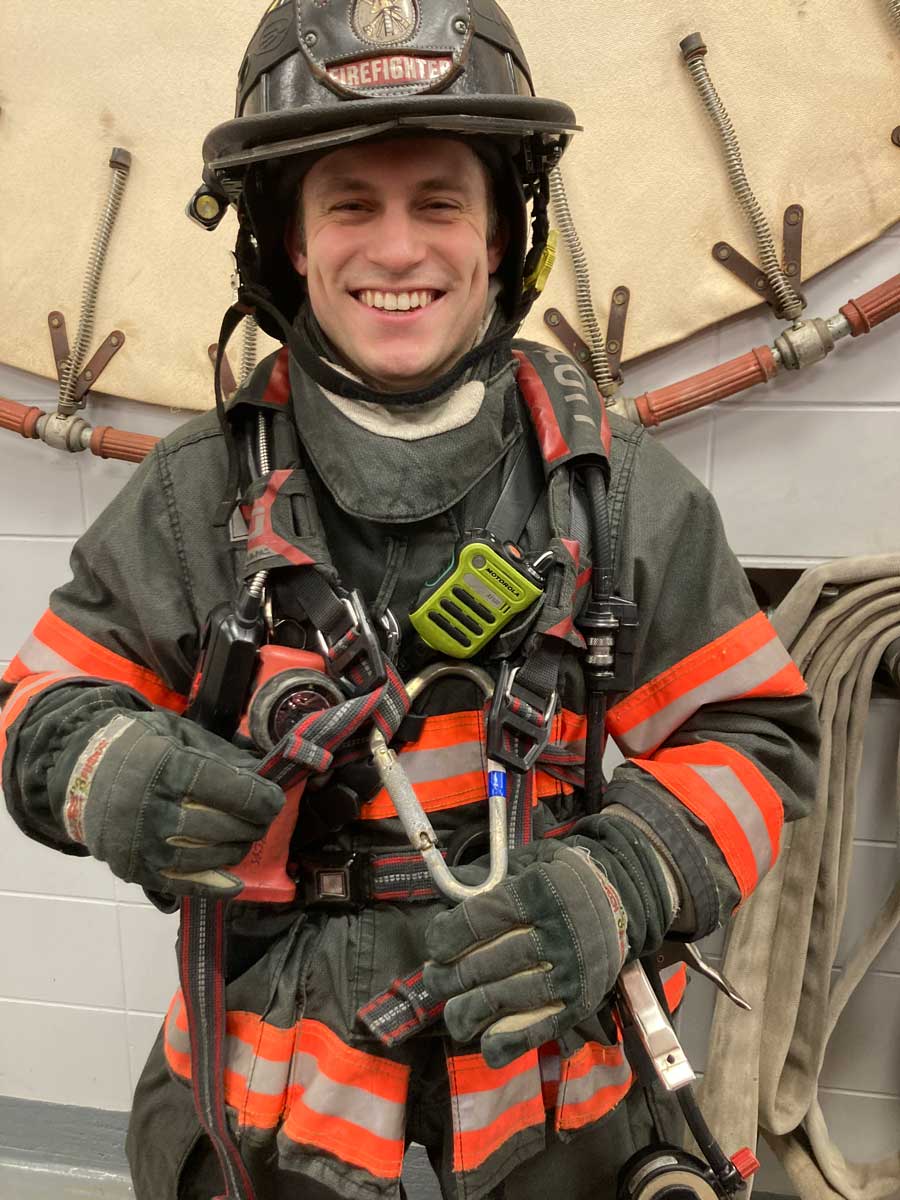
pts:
pixel 389 165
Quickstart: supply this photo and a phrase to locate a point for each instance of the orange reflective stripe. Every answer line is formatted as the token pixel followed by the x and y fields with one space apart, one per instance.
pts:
pixel 27 690
pixel 321 1092
pixel 16 671
pixel 748 660
pixel 593 1081
pixel 347 1102
pixel 490 1106
pixel 674 980
pixel 733 799
pixel 351 1067
pixel 446 766
pixel 57 645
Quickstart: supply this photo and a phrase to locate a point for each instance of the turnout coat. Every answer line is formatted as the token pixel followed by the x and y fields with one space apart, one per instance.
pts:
pixel 336 1057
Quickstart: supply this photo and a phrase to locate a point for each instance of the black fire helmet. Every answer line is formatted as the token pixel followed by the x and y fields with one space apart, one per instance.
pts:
pixel 321 74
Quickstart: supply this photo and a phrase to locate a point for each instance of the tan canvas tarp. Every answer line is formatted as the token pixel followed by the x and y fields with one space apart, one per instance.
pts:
pixel 812 86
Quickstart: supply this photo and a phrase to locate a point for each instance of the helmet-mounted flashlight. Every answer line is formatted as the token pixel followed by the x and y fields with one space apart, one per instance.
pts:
pixel 206 208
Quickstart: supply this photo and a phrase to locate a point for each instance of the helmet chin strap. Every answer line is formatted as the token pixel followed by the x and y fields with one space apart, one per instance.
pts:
pixel 301 339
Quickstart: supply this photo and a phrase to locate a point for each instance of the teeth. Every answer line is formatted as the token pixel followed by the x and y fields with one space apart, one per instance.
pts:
pixel 396 301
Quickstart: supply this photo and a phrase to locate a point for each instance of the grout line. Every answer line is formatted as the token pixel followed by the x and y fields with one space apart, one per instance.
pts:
pixel 126 1049
pixel 142 904
pixel 55 896
pixel 836 1091
pixel 35 1003
pixel 819 406
pixel 70 538
pixel 100 1008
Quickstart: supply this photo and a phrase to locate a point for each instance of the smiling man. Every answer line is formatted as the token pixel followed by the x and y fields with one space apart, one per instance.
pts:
pixel 413 495
pixel 397 244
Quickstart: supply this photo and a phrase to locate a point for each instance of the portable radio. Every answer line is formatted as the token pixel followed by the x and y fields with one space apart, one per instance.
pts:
pixel 487 584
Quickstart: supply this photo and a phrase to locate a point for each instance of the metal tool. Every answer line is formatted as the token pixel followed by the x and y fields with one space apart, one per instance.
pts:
pixel 687 952
pixel 660 1042
pixel 419 829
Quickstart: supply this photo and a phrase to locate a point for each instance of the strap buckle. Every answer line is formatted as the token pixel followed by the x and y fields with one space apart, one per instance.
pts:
pixel 525 714
pixel 356 649
pixel 336 879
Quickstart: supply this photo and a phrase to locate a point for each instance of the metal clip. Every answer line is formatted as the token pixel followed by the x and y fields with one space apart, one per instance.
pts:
pixel 503 718
pixel 419 829
pixel 657 1036
pixel 357 648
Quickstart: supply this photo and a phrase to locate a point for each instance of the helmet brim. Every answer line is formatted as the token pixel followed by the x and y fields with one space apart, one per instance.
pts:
pixel 246 141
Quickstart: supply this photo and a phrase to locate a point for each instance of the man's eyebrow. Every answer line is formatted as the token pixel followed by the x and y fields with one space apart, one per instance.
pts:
pixel 343 183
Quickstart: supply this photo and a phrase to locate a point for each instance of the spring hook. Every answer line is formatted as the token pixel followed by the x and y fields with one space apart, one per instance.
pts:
pixel 419 829
pixel 790 304
pixel 120 163
pixel 600 367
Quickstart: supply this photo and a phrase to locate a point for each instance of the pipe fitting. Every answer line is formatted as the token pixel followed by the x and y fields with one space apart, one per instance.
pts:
pixel 804 343
pixel 63 432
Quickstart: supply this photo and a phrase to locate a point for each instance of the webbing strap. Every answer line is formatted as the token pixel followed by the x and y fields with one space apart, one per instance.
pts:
pixel 310 746
pixel 782 944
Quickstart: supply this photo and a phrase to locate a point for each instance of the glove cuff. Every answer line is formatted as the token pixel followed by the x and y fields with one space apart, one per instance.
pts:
pixel 78 785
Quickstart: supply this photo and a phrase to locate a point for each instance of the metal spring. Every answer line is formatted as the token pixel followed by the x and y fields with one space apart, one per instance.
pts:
pixel 249 352
pixel 562 212
pixel 789 302
pixel 894 6
pixel 67 402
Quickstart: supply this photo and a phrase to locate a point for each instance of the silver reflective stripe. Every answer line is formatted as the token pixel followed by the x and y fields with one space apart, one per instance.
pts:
pixel 177 1038
pixel 262 1074
pixel 550 1068
pixel 577 1091
pixel 477 1110
pixel 426 766
pixel 725 783
pixel 384 1118
pixel 38 657
pixel 743 677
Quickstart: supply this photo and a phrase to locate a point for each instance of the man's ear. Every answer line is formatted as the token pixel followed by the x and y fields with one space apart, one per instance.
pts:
pixel 295 243
pixel 498 245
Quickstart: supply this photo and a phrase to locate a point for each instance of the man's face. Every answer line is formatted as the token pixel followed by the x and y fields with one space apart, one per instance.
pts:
pixel 396 255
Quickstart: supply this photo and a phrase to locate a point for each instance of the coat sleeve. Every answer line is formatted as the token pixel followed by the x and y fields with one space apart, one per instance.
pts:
pixel 720 734
pixel 123 632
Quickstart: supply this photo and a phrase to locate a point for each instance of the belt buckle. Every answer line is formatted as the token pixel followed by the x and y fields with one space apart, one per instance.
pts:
pixel 334 880
pixel 502 717
pixel 363 650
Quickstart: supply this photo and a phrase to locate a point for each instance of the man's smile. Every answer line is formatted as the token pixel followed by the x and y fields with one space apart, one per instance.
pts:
pixel 397 301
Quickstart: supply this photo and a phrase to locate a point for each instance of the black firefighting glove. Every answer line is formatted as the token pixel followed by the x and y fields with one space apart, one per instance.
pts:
pixel 527 961
pixel 165 803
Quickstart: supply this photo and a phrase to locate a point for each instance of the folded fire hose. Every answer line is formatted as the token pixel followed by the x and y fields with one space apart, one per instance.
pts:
pixel 782 945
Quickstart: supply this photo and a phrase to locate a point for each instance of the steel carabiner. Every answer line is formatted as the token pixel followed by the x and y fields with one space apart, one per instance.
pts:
pixel 419 829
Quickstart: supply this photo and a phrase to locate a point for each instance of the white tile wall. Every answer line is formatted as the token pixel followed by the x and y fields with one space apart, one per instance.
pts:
pixel 30 568
pixel 149 965
pixel 64 1054
pixel 804 468
pixel 62 951
pixel 28 867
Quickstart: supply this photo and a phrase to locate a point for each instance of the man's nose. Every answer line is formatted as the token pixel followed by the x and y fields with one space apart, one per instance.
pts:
pixel 396 243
